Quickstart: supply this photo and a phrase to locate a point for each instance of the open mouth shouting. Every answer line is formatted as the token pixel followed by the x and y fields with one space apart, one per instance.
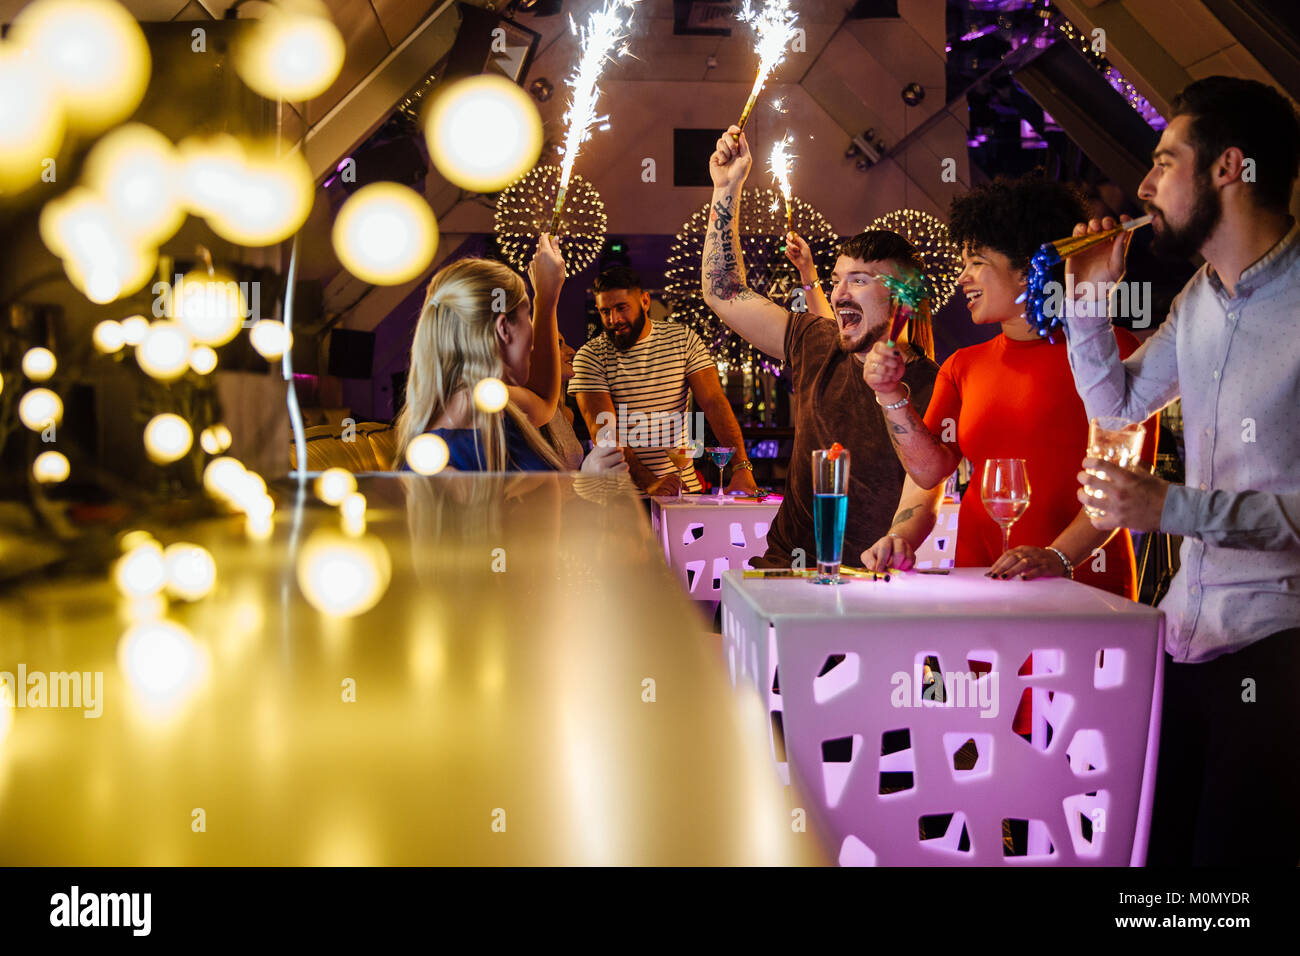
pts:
pixel 850 317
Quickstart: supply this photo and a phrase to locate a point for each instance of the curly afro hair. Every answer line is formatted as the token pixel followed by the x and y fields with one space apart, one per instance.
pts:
pixel 1015 216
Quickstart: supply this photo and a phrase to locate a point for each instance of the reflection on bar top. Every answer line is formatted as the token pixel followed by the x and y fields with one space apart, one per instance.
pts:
pixel 503 677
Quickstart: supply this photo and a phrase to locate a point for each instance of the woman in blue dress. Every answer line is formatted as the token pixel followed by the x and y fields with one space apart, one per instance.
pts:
pixel 476 323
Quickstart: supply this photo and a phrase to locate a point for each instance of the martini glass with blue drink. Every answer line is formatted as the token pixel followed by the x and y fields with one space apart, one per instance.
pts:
pixel 830 509
pixel 720 455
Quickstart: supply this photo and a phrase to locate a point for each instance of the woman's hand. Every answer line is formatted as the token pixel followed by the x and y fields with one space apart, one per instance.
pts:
pixel 1027 562
pixel 799 253
pixel 546 271
pixel 891 551
pixel 604 461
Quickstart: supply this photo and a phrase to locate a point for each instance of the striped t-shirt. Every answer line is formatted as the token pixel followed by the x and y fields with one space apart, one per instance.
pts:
pixel 649 379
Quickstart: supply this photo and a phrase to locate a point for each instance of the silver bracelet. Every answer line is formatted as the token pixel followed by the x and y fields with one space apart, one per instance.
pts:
pixel 1069 568
pixel 905 400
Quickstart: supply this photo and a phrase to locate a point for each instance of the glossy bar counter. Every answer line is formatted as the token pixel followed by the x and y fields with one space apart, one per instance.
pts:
pixel 491 708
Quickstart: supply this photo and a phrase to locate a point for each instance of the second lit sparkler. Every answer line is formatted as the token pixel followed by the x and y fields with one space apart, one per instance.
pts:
pixel 781 164
pixel 606 29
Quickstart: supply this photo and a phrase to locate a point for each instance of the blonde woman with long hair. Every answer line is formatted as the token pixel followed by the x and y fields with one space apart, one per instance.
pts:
pixel 476 324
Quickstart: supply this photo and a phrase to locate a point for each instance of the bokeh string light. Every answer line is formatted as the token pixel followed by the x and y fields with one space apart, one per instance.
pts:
pixel 483 133
pixel 524 211
pixel 768 271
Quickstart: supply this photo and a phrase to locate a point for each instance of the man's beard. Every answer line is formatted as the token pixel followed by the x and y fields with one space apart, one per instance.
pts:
pixel 1186 240
pixel 625 340
pixel 870 338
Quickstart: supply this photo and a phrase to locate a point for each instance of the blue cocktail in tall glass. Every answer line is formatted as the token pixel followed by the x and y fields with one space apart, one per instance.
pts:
pixel 830 509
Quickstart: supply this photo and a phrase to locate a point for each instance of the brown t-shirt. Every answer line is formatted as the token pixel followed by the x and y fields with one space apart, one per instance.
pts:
pixel 832 404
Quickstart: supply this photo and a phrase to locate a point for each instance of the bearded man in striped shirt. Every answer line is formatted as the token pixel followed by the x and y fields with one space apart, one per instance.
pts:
pixel 641 373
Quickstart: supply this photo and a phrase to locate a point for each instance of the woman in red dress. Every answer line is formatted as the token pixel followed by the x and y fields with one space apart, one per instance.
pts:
pixel 1010 397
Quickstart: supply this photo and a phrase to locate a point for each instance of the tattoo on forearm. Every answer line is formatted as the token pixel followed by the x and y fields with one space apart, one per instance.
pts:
pixel 905 514
pixel 724 271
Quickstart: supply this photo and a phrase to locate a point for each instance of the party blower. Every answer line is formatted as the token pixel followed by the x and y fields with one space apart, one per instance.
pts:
pixel 1048 255
pixel 910 292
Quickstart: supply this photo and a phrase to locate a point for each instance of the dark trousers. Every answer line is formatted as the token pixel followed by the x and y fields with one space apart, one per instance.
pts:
pixel 1228 782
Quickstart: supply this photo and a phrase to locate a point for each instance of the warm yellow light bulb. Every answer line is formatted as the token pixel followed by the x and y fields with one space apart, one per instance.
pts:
pixel 222 476
pixel 272 199
pixel 203 359
pixel 293 53
pixel 165 352
pixel 134 329
pixel 109 336
pixel 483 133
pixel 491 395
pixel 31 118
pixel 167 438
pixel 95 53
pixel 385 234
pixel 50 467
pixel 270 338
pixel 135 168
pixel 335 484
pixel 191 571
pixel 215 438
pixel 211 307
pixel 162 662
pixel 141 571
pixel 40 408
pixel 39 364
pixel 427 454
pixel 342 575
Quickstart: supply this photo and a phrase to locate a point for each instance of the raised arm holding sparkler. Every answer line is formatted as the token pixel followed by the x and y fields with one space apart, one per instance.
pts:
pixel 606 29
pixel 757 319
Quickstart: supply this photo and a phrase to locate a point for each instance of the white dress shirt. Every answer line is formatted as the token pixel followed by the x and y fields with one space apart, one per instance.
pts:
pixel 1235 362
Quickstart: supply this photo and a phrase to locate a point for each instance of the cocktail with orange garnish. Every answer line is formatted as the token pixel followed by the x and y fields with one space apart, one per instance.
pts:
pixel 830 509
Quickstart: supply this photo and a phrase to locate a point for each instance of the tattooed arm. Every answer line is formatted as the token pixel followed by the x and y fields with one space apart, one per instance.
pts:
pixel 759 320
pixel 928 458
pixel 917 509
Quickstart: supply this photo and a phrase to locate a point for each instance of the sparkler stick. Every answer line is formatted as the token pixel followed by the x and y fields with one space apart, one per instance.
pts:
pixel 780 164
pixel 774 25
pixel 605 29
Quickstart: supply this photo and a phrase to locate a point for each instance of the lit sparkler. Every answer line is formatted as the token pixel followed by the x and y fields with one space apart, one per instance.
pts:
pixel 774 25
pixel 606 29
pixel 781 164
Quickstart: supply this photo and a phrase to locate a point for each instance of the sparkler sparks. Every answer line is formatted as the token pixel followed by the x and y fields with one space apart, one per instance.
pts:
pixel 774 25
pixel 605 30
pixel 781 164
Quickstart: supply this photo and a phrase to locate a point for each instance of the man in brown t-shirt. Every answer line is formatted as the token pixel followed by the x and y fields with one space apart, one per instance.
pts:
pixel 826 350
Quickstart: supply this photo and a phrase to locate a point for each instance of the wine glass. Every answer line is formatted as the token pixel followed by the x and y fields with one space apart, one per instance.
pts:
pixel 1005 490
pixel 720 454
